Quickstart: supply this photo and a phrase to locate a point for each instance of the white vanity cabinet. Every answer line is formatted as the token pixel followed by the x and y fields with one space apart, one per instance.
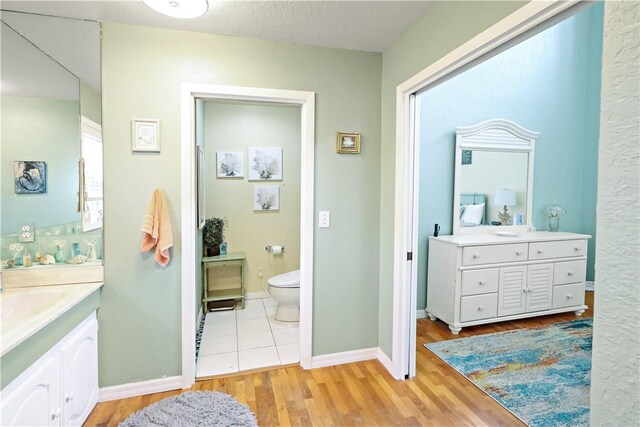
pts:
pixel 485 278
pixel 60 388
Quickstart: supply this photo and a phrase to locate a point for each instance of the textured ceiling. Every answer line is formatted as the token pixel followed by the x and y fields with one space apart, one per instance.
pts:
pixel 361 25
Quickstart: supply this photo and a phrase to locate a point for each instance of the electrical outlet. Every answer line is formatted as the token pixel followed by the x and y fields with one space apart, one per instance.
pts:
pixel 324 219
pixel 26 234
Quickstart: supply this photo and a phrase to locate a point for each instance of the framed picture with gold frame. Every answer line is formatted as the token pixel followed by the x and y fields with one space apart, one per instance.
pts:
pixel 348 143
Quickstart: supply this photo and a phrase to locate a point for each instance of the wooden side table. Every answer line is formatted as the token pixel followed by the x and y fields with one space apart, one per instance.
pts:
pixel 232 259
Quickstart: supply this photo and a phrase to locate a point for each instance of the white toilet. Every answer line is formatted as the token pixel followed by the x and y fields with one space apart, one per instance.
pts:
pixel 285 288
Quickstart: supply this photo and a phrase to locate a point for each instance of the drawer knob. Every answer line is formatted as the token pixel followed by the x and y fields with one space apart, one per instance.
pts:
pixel 539 251
pixel 569 296
pixel 55 414
pixel 569 273
pixel 576 249
pixel 518 252
pixel 481 282
pixel 481 308
pixel 476 256
pixel 69 398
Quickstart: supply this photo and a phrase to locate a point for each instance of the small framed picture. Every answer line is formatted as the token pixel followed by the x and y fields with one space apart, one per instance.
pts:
pixel 145 135
pixel 30 177
pixel 230 164
pixel 348 143
pixel 266 198
pixel 265 163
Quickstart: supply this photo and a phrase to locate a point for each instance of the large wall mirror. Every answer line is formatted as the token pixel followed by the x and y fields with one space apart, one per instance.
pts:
pixel 493 183
pixel 51 150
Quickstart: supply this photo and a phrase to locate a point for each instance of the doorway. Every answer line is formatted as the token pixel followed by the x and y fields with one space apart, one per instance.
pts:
pixel 530 19
pixel 251 177
pixel 190 262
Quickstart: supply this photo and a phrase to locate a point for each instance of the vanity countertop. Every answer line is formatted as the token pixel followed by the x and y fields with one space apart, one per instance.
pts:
pixel 25 311
pixel 494 239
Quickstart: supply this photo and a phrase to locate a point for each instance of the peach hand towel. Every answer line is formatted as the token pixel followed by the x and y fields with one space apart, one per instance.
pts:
pixel 156 228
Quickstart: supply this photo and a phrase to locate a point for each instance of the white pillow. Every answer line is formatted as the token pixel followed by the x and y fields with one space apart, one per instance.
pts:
pixel 472 215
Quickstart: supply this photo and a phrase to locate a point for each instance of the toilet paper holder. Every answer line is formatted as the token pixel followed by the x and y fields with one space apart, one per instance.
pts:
pixel 269 248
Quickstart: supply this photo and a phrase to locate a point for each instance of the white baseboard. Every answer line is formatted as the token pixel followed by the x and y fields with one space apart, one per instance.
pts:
pixel 386 362
pixel 123 391
pixel 421 314
pixel 344 357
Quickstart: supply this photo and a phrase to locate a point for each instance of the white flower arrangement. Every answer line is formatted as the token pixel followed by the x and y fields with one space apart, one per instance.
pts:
pixel 60 244
pixel 16 248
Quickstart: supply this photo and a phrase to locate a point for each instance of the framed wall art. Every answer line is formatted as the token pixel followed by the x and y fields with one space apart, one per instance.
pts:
pixel 30 177
pixel 266 198
pixel 348 143
pixel 145 135
pixel 230 164
pixel 265 163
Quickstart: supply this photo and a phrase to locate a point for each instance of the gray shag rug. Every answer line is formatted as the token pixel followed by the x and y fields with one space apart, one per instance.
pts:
pixel 195 408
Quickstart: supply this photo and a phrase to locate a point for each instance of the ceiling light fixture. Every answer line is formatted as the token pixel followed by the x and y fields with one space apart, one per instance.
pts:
pixel 185 9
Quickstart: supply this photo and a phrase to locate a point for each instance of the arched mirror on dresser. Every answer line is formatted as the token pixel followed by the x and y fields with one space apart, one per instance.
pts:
pixel 493 173
pixel 496 267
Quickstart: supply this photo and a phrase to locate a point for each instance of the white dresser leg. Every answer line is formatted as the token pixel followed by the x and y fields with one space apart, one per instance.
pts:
pixel 579 312
pixel 454 330
pixel 431 317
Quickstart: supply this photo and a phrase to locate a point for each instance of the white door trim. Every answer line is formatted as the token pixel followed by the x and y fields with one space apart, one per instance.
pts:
pixel 405 221
pixel 189 92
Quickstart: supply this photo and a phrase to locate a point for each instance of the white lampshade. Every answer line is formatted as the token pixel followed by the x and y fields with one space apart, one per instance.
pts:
pixel 184 9
pixel 505 197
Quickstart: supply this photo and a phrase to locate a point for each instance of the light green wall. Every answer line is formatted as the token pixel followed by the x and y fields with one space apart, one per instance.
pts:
pixel 447 26
pixel 90 103
pixel 234 126
pixel 615 372
pixel 40 129
pixel 142 72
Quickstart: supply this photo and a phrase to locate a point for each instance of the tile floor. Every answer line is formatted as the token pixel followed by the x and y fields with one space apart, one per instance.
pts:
pixel 239 340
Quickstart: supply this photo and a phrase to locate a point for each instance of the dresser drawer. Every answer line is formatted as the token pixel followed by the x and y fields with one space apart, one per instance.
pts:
pixel 478 307
pixel 561 249
pixel 476 255
pixel 569 272
pixel 476 282
pixel 568 295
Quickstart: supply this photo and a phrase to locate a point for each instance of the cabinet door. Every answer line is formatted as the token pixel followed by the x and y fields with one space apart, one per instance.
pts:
pixel 539 288
pixel 511 296
pixel 35 402
pixel 79 363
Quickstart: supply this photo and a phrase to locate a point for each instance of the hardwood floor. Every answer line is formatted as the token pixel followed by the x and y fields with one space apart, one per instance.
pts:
pixel 358 394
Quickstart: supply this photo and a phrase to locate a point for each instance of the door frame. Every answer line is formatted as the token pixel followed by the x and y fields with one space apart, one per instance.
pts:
pixel 188 94
pixel 407 173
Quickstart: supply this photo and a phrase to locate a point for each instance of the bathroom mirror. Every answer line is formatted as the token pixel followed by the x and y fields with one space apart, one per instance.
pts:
pixel 51 151
pixel 493 170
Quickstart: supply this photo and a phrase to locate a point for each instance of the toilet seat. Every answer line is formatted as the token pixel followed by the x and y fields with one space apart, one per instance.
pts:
pixel 286 280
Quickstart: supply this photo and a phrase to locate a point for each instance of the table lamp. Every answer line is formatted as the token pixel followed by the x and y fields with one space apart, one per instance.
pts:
pixel 506 198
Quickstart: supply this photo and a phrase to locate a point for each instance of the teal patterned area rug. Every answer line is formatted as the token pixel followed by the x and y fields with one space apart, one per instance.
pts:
pixel 541 375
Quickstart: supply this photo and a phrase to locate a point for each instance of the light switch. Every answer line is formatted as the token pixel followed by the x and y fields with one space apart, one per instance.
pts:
pixel 26 234
pixel 324 219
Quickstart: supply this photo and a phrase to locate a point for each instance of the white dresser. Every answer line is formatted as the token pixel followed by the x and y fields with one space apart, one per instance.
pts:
pixel 486 278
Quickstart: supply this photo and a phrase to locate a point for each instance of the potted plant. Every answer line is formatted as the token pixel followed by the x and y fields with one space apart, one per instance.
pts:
pixel 213 235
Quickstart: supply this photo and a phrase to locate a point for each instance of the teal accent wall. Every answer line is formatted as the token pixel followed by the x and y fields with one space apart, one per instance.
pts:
pixel 142 69
pixel 446 26
pixel 549 83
